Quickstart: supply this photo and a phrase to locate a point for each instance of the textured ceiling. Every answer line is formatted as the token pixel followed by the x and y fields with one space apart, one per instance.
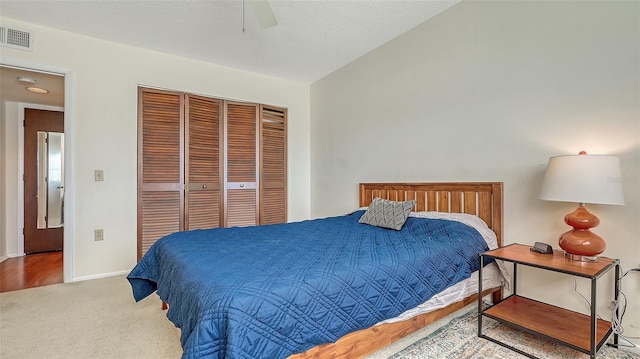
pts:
pixel 312 39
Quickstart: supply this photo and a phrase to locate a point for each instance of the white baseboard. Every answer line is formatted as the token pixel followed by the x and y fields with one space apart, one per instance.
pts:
pixel 98 276
pixel 11 255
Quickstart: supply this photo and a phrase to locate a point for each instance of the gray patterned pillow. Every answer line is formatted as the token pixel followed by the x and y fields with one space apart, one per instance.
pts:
pixel 387 214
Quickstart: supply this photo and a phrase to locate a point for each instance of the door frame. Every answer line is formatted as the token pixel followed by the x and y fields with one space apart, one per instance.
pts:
pixel 69 125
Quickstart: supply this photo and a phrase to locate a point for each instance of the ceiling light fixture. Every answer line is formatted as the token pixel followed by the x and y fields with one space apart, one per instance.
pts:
pixel 26 80
pixel 37 89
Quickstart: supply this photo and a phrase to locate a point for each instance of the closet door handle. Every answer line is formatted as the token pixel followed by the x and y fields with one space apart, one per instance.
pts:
pixel 204 186
pixel 241 185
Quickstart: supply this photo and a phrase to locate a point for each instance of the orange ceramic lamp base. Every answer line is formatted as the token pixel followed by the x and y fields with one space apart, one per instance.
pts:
pixel 580 241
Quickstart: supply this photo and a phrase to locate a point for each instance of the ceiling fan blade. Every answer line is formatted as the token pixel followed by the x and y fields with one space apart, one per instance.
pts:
pixel 262 11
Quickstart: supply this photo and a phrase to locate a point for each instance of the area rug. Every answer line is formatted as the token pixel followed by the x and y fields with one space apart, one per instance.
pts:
pixel 459 339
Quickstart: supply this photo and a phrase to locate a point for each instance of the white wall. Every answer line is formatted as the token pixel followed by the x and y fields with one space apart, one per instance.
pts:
pixel 4 137
pixel 488 91
pixel 106 76
pixel 9 160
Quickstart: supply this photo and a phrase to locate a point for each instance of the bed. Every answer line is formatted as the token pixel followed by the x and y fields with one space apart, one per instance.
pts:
pixel 269 299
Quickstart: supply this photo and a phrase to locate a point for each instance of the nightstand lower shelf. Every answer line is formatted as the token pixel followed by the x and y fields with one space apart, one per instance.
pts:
pixel 555 323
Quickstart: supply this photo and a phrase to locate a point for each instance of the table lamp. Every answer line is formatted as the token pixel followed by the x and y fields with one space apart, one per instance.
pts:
pixel 583 179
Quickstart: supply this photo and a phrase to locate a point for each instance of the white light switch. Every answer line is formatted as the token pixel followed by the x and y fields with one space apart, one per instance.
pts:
pixel 98 175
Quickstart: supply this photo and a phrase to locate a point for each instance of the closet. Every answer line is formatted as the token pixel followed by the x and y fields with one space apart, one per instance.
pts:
pixel 205 163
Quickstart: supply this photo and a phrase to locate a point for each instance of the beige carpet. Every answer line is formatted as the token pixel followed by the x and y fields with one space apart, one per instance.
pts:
pixel 91 319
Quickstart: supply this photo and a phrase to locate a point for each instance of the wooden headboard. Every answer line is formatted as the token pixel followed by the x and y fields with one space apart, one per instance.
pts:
pixel 483 199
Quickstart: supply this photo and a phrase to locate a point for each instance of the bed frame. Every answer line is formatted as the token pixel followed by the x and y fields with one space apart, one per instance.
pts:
pixel 483 199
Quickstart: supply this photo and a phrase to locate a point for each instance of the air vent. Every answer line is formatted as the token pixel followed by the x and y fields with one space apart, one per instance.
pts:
pixel 17 39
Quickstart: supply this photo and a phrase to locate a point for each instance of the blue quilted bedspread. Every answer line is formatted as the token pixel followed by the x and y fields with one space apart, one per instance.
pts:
pixel 271 291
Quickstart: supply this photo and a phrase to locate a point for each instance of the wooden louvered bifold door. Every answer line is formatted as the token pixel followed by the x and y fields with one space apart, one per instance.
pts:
pixel 203 189
pixel 160 165
pixel 273 166
pixel 241 160
pixel 207 163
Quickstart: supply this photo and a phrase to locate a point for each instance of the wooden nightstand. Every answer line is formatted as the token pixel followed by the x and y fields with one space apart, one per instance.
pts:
pixel 581 332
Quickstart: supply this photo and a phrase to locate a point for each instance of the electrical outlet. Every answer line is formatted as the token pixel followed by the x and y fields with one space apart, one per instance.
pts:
pixel 98 235
pixel 98 175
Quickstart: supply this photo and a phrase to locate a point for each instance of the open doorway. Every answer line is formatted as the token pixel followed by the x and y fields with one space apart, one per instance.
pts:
pixel 32 123
pixel 43 181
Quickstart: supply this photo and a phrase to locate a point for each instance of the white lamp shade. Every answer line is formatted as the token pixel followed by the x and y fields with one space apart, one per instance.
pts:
pixel 583 179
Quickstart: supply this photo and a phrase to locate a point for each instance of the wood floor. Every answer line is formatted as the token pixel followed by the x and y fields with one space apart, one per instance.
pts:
pixel 33 270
